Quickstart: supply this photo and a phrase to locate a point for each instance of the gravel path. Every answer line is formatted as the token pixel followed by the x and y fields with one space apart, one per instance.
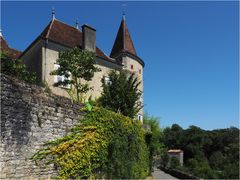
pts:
pixel 158 174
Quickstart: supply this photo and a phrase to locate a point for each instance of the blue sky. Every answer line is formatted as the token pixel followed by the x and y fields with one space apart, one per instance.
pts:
pixel 190 50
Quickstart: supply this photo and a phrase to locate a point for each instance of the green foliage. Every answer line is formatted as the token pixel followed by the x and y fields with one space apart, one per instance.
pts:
pixel 156 132
pixel 230 171
pixel 78 67
pixel 200 167
pixel 121 93
pixel 16 68
pixel 164 158
pixel 174 162
pixel 173 136
pixel 89 106
pixel 217 160
pixel 207 154
pixel 103 145
pixel 154 138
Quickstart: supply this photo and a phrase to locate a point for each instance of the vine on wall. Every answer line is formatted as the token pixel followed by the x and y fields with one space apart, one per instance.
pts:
pixel 103 145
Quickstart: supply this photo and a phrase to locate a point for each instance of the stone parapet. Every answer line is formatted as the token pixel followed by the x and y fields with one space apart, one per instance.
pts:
pixel 30 117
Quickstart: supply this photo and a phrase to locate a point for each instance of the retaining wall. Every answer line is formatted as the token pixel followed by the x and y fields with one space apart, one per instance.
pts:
pixel 30 117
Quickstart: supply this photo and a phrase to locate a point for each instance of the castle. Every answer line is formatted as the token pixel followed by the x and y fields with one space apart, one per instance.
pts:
pixel 41 55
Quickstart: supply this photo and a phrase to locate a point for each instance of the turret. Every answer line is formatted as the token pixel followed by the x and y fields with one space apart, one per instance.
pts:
pixel 123 51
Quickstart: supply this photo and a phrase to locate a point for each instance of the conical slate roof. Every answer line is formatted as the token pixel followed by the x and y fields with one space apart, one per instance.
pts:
pixel 123 41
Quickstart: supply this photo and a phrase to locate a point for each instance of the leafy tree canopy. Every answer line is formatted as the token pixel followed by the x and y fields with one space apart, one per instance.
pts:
pixel 207 154
pixel 78 67
pixel 121 94
pixel 173 136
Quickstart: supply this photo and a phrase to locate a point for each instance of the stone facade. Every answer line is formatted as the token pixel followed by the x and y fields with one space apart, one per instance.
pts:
pixel 33 60
pixel 30 117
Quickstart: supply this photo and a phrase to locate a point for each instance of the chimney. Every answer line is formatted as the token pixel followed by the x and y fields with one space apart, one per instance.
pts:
pixel 89 38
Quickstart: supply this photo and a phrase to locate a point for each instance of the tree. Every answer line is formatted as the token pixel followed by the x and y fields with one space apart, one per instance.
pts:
pixel 200 167
pixel 207 154
pixel 153 139
pixel 16 68
pixel 78 67
pixel 121 93
pixel 194 142
pixel 174 162
pixel 164 158
pixel 217 160
pixel 156 132
pixel 173 136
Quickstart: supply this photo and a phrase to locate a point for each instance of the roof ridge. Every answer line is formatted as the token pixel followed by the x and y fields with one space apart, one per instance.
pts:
pixel 4 40
pixel 67 24
pixel 2 37
pixel 105 53
pixel 49 29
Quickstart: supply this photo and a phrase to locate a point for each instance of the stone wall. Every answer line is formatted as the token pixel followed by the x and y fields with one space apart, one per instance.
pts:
pixel 30 117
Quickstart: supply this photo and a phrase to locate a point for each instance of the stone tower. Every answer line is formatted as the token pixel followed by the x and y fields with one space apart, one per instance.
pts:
pixel 123 51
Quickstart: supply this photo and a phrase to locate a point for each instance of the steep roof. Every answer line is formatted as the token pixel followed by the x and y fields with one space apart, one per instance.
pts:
pixel 123 41
pixel 12 53
pixel 64 34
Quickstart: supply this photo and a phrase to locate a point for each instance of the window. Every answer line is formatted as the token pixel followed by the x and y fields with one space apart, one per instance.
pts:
pixel 140 71
pixel 131 66
pixel 67 86
pixel 58 78
pixel 140 117
pixel 107 80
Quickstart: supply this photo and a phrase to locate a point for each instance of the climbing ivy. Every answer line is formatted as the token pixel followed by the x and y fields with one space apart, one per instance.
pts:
pixel 103 145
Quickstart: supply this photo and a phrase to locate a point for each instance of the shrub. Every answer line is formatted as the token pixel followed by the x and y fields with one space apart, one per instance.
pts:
pixel 174 162
pixel 104 145
pixel 121 93
pixel 200 167
pixel 16 68
pixel 153 138
pixel 165 158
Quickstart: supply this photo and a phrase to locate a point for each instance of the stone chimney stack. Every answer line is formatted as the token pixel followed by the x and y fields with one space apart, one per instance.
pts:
pixel 89 38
